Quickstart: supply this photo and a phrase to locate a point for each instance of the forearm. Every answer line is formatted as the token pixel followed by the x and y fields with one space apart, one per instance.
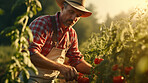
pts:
pixel 41 61
pixel 84 67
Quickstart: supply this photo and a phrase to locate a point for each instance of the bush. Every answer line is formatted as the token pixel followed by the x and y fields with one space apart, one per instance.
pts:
pixel 124 48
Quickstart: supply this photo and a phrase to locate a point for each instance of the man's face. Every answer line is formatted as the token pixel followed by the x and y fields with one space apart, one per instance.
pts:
pixel 69 16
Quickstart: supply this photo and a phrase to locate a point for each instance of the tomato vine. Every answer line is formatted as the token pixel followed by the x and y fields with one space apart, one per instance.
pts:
pixel 20 34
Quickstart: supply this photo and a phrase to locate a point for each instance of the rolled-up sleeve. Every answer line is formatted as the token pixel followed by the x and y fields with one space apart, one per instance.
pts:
pixel 39 31
pixel 74 55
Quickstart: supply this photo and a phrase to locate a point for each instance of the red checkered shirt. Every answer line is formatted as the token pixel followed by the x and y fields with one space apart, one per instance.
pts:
pixel 41 28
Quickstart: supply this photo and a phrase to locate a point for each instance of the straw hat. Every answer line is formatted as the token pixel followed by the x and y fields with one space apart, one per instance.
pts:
pixel 78 4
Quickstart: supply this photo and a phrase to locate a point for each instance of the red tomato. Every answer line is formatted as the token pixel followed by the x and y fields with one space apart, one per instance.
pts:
pixel 115 67
pixel 83 79
pixel 98 61
pixel 98 72
pixel 127 70
pixel 80 79
pixel 80 74
pixel 118 79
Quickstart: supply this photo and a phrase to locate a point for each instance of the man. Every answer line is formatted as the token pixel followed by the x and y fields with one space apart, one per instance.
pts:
pixel 53 40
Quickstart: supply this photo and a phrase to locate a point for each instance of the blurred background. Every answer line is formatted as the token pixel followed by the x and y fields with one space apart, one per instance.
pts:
pixel 104 11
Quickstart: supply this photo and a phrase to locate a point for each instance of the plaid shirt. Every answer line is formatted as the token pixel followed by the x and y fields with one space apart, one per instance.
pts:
pixel 41 29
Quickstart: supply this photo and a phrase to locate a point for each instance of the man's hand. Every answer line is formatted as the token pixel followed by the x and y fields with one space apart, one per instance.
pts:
pixel 69 72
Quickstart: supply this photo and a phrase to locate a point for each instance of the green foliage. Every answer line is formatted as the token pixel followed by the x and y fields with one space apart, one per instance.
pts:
pixel 5 55
pixel 123 43
pixel 19 34
pixel 1 11
pixel 86 26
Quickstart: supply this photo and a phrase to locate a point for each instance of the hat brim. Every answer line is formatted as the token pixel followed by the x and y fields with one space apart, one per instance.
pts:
pixel 76 6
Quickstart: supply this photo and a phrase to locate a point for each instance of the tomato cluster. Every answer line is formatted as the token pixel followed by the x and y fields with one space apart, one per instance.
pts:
pixel 116 79
pixel 82 78
pixel 127 70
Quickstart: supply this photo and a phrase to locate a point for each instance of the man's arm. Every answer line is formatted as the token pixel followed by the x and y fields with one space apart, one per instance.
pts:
pixel 84 67
pixel 75 56
pixel 41 61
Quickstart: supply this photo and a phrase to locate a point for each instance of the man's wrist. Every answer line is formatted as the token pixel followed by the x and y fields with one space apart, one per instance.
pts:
pixel 59 66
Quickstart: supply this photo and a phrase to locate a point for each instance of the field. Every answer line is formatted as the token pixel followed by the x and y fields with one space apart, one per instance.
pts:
pixel 5 55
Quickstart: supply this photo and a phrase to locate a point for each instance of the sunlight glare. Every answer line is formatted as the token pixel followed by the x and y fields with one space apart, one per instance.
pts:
pixel 141 3
pixel 114 7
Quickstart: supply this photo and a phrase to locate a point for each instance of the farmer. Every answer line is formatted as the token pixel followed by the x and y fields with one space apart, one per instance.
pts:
pixel 54 39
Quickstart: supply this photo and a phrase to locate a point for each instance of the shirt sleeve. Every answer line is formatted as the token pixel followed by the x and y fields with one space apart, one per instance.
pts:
pixel 39 30
pixel 74 55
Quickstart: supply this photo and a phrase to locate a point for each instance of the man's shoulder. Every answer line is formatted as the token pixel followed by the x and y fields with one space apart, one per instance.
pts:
pixel 43 18
pixel 41 23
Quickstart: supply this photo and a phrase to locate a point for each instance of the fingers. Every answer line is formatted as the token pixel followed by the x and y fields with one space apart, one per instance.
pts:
pixel 67 76
pixel 75 73
pixel 71 74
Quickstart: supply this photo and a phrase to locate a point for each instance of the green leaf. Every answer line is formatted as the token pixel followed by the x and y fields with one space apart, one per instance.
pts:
pixel 12 66
pixel 26 73
pixel 12 75
pixel 17 62
pixel 34 69
pixel 30 14
pixel 30 34
pixel 131 30
pixel 8 31
pixel 132 15
pixel 122 34
pixel 21 19
pixel 34 10
pixel 25 56
pixel 26 59
pixel 23 40
pixel 16 43
pixel 38 5
pixel 7 80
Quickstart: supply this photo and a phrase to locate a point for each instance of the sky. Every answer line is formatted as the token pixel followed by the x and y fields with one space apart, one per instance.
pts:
pixel 114 7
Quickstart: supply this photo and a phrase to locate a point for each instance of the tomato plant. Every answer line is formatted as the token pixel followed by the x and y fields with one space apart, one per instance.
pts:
pixel 20 34
pixel 82 78
pixel 123 47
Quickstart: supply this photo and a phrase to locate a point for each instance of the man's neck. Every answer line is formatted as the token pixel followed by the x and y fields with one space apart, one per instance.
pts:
pixel 62 25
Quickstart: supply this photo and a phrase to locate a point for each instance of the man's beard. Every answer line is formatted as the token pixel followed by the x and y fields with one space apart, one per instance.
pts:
pixel 69 23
